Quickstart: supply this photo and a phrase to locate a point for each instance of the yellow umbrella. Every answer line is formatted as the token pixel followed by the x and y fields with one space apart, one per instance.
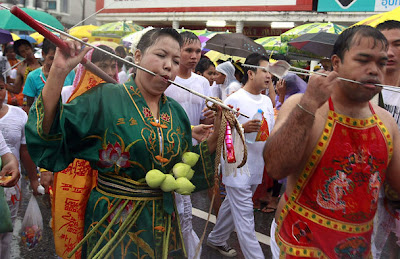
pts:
pixel 215 56
pixel 110 44
pixel 38 37
pixel 15 36
pixel 84 31
pixel 379 18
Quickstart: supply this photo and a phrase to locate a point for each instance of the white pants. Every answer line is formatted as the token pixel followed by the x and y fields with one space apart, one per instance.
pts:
pixel 274 246
pixel 236 211
pixel 5 238
pixel 190 238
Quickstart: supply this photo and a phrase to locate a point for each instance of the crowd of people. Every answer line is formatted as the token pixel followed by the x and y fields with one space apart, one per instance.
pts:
pixel 324 155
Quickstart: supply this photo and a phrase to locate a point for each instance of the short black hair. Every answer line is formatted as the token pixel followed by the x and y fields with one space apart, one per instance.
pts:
pixel 7 48
pixel 203 65
pixel 252 59
pixel 150 38
pixel 388 25
pixel 189 37
pixel 20 43
pixel 346 38
pixel 47 46
pixel 101 56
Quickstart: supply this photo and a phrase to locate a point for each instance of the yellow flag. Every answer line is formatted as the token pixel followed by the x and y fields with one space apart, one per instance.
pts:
pixel 88 81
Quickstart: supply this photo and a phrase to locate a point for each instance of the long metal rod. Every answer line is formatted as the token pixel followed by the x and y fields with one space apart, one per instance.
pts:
pixel 307 72
pixel 90 16
pixel 141 68
pixel 11 68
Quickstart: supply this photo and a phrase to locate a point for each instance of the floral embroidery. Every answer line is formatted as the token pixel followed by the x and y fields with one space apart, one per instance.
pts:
pixel 353 247
pixel 113 155
pixel 165 117
pixel 147 112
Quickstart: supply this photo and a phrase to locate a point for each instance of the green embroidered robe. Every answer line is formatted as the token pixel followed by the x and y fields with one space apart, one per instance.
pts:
pixel 112 127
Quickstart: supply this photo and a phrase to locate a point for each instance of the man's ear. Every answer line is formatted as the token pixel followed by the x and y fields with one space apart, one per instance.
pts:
pixel 335 62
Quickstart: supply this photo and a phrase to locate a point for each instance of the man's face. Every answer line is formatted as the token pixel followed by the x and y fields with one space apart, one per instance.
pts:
pixel 190 54
pixel 26 51
pixel 108 66
pixel 10 54
pixel 365 62
pixel 393 37
pixel 261 78
pixel 48 59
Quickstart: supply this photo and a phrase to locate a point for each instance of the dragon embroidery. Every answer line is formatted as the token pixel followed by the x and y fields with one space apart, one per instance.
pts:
pixel 374 185
pixel 334 191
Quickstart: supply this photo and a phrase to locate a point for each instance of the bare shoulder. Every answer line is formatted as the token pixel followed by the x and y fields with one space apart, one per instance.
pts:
pixel 386 118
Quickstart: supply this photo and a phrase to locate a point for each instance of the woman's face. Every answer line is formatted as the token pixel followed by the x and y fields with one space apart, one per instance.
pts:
pixel 220 79
pixel 161 58
pixel 210 74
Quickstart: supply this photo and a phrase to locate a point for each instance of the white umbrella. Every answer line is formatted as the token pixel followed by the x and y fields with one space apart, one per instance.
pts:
pixel 133 38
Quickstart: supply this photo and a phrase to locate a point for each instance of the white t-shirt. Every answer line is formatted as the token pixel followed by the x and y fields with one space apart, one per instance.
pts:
pixel 192 104
pixel 12 126
pixel 4 149
pixel 249 104
pixel 392 104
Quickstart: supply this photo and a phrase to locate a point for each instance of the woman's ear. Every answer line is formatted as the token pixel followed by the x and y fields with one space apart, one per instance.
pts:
pixel 138 57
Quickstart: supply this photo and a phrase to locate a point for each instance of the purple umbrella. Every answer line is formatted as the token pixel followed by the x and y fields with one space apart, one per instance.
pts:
pixel 5 36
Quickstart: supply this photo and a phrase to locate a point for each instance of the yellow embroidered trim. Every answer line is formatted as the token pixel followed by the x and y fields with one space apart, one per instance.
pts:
pixel 358 123
pixel 329 223
pixel 39 121
pixel 299 251
pixel 387 137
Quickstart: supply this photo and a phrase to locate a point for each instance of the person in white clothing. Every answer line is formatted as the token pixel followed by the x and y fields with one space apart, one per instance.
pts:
pixel 193 106
pixel 226 79
pixel 386 225
pixel 12 127
pixel 237 209
pixel 9 165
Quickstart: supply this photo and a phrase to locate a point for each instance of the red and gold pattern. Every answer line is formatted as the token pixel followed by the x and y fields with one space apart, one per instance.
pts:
pixel 337 190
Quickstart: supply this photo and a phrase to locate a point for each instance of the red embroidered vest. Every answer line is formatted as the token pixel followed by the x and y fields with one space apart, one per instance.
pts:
pixel 330 212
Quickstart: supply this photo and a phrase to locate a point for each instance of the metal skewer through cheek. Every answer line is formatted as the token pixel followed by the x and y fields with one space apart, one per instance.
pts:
pixel 307 72
pixel 17 11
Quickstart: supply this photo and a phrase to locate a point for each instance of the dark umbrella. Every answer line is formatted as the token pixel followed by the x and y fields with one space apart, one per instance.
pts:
pixel 320 43
pixel 5 36
pixel 234 44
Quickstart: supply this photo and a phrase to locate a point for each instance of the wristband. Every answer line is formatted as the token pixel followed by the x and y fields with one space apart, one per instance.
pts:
pixel 304 109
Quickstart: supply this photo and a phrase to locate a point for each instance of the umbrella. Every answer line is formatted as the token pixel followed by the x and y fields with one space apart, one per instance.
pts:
pixel 15 36
pixel 234 44
pixel 311 28
pixel 379 18
pixel 320 43
pixel 5 36
pixel 272 44
pixel 110 44
pixel 28 38
pixel 10 22
pixel 84 31
pixel 133 38
pixel 116 29
pixel 40 38
pixel 214 56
